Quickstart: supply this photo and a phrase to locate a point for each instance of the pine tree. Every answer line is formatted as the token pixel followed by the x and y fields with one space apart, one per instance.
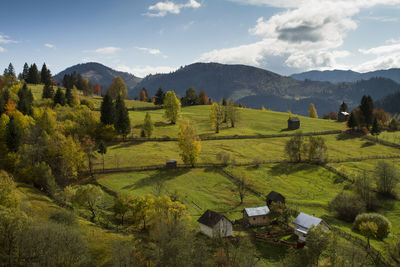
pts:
pixel 352 122
pixel 148 125
pixel 159 97
pixel 33 75
pixel 25 100
pixel 69 97
pixel 48 91
pixel 122 123
pixel 45 76
pixel 13 135
pixel 107 110
pixel 59 97
pixel 25 72
pixel 367 109
pixel 312 112
pixel 376 129
pixel 10 71
pixel 343 107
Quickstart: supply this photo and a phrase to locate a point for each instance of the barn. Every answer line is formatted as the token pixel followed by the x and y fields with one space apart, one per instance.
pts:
pixel 304 222
pixel 343 116
pixel 256 216
pixel 213 224
pixel 293 123
pixel 274 197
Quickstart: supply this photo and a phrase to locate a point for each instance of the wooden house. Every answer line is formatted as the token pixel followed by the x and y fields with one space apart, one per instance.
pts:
pixel 343 116
pixel 293 123
pixel 304 222
pixel 213 224
pixel 274 197
pixel 256 215
pixel 172 163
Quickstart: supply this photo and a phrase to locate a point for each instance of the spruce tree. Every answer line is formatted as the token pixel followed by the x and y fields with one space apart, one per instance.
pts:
pixel 69 97
pixel 10 70
pixel 122 123
pixel 59 97
pixel 352 122
pixel 13 135
pixel 107 110
pixel 45 75
pixel 25 72
pixel 343 107
pixel 48 91
pixel 33 75
pixel 25 100
pixel 159 97
pixel 367 109
pixel 376 129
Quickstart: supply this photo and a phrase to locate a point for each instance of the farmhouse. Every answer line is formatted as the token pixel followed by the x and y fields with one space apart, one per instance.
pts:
pixel 304 222
pixel 274 197
pixel 256 216
pixel 343 116
pixel 293 123
pixel 171 163
pixel 213 224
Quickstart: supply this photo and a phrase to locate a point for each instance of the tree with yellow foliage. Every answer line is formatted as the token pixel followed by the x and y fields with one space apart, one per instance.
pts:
pixel 189 143
pixel 312 112
pixel 216 116
pixel 10 107
pixel 172 107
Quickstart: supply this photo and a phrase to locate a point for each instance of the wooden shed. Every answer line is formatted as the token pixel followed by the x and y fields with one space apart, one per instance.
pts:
pixel 293 123
pixel 274 197
pixel 256 216
pixel 213 224
pixel 172 163
pixel 343 116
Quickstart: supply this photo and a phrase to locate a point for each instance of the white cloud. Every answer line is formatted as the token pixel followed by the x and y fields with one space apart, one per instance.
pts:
pixel 143 71
pixel 161 9
pixel 384 49
pixel 49 45
pixel 107 50
pixel 151 51
pixel 4 39
pixel 186 26
pixel 380 62
pixel 307 36
pixel 2 49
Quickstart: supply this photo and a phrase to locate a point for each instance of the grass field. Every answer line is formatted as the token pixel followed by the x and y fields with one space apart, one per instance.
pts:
pixel 340 147
pixel 393 137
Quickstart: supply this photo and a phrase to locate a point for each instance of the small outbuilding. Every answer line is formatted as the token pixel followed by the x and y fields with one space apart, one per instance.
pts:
pixel 304 222
pixel 274 197
pixel 256 216
pixel 172 163
pixel 213 224
pixel 343 116
pixel 293 123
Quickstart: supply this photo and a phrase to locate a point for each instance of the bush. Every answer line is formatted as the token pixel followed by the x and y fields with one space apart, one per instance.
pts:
pixel 347 206
pixel 381 221
pixel 63 217
pixel 88 103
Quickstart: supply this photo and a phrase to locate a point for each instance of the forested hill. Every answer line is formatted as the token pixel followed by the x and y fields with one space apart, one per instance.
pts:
pixel 256 87
pixel 100 74
pixel 337 76
pixel 390 103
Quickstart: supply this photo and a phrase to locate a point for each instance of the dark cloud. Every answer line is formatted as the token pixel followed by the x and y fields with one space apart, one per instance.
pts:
pixel 302 33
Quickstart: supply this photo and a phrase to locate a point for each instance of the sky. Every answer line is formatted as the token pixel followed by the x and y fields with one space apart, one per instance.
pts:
pixel 159 36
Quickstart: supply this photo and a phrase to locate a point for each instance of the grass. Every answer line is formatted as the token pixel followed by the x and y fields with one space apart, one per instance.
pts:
pixel 132 154
pixel 198 189
pixel 252 122
pixel 393 137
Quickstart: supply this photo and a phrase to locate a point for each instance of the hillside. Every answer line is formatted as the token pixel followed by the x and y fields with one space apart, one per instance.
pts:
pixel 256 87
pixel 337 76
pixel 98 73
pixel 390 103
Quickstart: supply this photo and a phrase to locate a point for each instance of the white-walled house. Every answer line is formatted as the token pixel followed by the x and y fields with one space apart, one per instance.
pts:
pixel 304 222
pixel 213 224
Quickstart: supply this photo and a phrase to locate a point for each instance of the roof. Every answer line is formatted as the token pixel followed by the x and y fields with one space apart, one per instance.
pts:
pixel 171 161
pixel 257 211
pixel 210 218
pixel 305 221
pixel 345 113
pixel 293 119
pixel 275 196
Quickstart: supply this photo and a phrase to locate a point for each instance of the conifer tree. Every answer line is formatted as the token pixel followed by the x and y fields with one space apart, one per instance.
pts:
pixel 10 71
pixel 45 76
pixel 102 149
pixel 367 109
pixel 122 123
pixel 159 97
pixel 343 107
pixel 107 110
pixel 48 91
pixel 25 100
pixel 13 135
pixel 376 129
pixel 59 97
pixel 312 112
pixel 148 125
pixel 352 121
pixel 25 72
pixel 33 75
pixel 69 97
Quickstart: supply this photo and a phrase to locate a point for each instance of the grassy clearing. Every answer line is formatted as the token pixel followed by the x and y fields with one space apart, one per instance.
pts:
pixel 198 189
pixel 252 122
pixel 132 154
pixel 393 137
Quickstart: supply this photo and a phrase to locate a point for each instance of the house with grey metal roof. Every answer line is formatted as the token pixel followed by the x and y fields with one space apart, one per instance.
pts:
pixel 304 222
pixel 256 216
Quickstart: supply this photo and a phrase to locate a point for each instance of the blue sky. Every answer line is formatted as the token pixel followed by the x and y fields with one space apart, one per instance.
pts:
pixel 153 36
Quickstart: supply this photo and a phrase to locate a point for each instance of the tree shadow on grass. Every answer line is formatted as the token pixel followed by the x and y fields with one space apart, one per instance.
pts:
pixel 160 175
pixel 368 144
pixel 127 144
pixel 162 124
pixel 286 168
pixel 345 136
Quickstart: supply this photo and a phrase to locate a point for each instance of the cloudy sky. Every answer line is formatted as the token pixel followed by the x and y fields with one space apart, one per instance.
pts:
pixel 155 36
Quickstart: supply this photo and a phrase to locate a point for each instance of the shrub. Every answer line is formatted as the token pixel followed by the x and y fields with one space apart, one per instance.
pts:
pixel 63 217
pixel 88 103
pixel 381 221
pixel 347 206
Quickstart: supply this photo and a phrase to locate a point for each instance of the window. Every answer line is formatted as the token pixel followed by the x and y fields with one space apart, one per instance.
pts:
pixel 254 219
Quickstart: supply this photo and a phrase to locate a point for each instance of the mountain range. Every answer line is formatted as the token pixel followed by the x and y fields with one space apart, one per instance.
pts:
pixel 336 76
pixel 100 74
pixel 253 87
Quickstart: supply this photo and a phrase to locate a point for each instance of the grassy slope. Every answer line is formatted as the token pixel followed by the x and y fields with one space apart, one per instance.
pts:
pixel 270 149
